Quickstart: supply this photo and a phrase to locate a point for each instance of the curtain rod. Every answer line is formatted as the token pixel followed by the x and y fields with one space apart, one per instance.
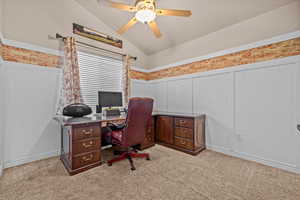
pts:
pixel 58 36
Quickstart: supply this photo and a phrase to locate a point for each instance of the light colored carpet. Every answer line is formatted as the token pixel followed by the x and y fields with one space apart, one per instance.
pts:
pixel 169 175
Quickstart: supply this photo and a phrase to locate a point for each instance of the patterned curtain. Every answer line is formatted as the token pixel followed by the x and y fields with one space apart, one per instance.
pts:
pixel 126 79
pixel 70 82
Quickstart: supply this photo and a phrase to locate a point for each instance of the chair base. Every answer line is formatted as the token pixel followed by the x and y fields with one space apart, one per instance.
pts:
pixel 129 155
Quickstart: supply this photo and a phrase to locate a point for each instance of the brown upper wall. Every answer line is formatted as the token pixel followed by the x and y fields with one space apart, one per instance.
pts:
pixel 259 54
pixel 263 53
pixel 14 54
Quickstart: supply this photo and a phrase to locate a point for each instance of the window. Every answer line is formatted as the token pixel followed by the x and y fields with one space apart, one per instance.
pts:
pixel 98 73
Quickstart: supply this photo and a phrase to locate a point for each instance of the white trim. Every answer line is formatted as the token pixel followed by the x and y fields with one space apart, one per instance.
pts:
pixel 30 47
pixel 139 81
pixel 31 67
pixel 139 69
pixel 273 40
pixel 31 158
pixel 264 161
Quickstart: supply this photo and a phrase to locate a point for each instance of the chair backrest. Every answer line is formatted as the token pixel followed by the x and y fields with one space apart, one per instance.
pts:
pixel 138 116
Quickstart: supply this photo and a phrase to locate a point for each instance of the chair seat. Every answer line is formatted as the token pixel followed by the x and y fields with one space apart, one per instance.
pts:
pixel 116 137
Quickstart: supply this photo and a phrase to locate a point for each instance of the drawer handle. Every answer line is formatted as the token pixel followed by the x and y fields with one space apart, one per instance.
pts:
pixel 90 144
pixel 85 158
pixel 182 122
pixel 182 142
pixel 89 132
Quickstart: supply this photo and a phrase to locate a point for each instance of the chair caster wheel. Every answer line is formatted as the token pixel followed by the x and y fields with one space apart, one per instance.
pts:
pixel 148 158
pixel 109 164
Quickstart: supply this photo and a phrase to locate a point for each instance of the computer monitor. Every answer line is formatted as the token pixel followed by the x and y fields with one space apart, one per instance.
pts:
pixel 110 99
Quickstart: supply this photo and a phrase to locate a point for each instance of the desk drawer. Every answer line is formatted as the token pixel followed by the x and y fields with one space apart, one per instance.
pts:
pixel 184 143
pixel 184 132
pixel 86 159
pixel 184 122
pixel 84 132
pixel 83 146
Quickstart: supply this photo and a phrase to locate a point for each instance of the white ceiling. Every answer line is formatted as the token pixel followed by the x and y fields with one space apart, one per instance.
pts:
pixel 208 16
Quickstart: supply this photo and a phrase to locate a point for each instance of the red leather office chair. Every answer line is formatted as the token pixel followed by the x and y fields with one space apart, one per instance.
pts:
pixel 134 131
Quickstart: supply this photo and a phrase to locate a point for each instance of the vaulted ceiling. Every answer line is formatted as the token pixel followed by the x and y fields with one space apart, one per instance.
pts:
pixel 208 16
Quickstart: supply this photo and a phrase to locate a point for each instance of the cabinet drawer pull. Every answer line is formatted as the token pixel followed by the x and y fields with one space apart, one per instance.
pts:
pixel 85 158
pixel 182 142
pixel 89 132
pixel 90 144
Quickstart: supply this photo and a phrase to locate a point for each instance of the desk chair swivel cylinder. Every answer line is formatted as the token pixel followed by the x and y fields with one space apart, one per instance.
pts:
pixel 133 132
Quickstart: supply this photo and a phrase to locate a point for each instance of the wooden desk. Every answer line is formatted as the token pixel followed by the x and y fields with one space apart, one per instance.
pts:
pixel 81 137
pixel 81 141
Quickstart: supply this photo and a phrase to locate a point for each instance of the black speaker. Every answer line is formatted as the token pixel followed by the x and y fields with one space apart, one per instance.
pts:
pixel 77 110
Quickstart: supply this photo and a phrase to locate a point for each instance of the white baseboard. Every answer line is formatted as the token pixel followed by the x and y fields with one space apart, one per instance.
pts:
pixel 246 156
pixel 31 158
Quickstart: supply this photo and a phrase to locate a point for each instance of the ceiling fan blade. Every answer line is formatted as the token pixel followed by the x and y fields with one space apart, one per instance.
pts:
pixel 155 29
pixel 122 6
pixel 123 29
pixel 180 13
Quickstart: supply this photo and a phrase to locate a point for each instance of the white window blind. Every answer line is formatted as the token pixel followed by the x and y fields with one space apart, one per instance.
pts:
pixel 98 73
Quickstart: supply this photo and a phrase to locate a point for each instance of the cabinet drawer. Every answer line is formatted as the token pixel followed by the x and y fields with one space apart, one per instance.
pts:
pixel 85 132
pixel 184 122
pixel 184 143
pixel 184 132
pixel 86 159
pixel 83 146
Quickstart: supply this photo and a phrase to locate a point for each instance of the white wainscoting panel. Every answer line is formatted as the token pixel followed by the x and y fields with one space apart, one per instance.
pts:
pixel 160 96
pixel 213 95
pixel 297 75
pixel 30 132
pixel 265 114
pixel 2 115
pixel 140 89
pixel 252 110
pixel 180 96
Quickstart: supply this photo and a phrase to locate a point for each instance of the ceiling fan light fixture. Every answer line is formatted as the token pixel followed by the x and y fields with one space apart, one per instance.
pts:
pixel 145 16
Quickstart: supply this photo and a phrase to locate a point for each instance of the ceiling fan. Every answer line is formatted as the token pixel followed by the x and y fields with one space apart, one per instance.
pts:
pixel 146 12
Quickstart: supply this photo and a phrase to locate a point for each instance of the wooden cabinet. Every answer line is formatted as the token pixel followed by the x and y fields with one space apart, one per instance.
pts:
pixel 81 146
pixel 164 129
pixel 184 133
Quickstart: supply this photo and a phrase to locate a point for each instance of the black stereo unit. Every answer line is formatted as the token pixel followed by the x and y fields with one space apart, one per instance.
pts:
pixel 77 110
